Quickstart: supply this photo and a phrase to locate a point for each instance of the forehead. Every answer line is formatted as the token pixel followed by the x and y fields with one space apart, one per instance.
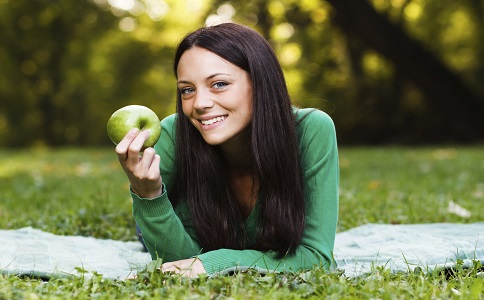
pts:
pixel 201 62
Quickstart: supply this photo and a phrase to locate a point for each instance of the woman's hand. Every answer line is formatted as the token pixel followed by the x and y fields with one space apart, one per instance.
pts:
pixel 191 267
pixel 143 171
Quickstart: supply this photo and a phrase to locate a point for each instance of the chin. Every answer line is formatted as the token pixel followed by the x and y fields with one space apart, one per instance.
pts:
pixel 213 139
pixel 213 142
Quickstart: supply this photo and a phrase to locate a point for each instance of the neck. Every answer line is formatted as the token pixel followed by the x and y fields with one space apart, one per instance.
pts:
pixel 237 154
pixel 238 159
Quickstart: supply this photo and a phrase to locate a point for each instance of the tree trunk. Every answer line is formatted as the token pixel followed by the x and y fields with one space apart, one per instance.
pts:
pixel 455 110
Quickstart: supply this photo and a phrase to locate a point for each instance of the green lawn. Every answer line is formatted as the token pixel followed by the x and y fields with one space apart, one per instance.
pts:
pixel 85 192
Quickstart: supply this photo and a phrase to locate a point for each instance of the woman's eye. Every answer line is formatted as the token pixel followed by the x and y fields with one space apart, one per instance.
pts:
pixel 219 85
pixel 186 91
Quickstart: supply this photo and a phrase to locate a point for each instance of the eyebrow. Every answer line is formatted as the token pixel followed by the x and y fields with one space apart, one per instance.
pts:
pixel 208 78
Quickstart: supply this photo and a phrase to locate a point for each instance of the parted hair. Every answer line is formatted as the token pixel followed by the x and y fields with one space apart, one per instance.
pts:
pixel 201 175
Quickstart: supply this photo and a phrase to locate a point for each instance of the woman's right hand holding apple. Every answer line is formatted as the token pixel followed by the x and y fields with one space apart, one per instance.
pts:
pixel 143 171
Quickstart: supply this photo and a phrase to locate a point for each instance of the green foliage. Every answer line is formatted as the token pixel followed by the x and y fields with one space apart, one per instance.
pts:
pixel 67 65
pixel 85 192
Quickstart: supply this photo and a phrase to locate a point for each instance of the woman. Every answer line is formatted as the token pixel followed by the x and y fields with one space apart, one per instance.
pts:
pixel 239 177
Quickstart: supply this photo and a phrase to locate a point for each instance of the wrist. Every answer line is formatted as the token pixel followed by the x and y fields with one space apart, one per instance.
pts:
pixel 147 194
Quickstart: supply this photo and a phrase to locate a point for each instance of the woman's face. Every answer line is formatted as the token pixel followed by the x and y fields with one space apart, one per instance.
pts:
pixel 216 96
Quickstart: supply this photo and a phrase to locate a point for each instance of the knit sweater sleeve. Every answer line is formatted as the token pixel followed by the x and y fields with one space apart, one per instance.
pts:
pixel 319 159
pixel 167 231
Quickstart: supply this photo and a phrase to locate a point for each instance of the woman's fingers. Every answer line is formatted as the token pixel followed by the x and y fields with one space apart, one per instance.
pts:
pixel 147 159
pixel 143 171
pixel 191 267
pixel 134 148
pixel 122 147
pixel 129 148
pixel 155 166
pixel 150 164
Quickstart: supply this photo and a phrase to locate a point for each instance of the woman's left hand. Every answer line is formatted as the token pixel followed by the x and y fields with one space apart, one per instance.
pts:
pixel 191 267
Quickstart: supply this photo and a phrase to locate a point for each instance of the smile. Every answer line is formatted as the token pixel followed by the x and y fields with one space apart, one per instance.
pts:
pixel 211 121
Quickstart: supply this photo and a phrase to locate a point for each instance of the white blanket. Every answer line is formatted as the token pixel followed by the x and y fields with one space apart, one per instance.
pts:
pixel 405 247
pixel 358 251
pixel 34 252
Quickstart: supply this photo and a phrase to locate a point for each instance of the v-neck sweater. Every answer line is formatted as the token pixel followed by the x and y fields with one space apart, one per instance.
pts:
pixel 168 232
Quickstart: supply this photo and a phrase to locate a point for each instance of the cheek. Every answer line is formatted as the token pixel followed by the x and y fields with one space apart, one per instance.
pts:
pixel 249 99
pixel 187 111
pixel 249 103
pixel 186 108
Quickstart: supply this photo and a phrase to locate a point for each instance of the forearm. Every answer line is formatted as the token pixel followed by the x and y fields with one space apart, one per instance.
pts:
pixel 224 261
pixel 163 232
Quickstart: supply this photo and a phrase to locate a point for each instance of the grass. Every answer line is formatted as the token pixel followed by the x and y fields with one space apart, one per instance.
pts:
pixel 85 192
pixel 410 185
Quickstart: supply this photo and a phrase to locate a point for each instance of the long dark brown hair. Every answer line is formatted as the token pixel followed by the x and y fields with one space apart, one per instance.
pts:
pixel 201 175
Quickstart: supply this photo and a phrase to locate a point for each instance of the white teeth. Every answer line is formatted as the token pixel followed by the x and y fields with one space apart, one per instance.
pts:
pixel 211 121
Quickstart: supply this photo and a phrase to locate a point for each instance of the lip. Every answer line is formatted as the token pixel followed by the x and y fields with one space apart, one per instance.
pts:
pixel 211 117
pixel 213 125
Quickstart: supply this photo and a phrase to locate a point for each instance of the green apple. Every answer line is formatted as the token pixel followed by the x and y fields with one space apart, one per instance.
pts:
pixel 134 116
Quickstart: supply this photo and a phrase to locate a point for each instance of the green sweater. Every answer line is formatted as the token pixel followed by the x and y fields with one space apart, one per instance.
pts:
pixel 168 232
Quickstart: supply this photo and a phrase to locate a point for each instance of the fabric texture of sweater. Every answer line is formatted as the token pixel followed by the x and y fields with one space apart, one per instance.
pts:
pixel 168 233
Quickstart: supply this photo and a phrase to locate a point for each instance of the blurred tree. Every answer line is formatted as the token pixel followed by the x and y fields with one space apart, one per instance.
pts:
pixel 67 65
pixel 45 46
pixel 453 109
pixel 387 71
pixel 380 83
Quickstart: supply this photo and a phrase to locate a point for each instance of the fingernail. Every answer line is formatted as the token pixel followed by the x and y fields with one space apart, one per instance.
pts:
pixel 134 130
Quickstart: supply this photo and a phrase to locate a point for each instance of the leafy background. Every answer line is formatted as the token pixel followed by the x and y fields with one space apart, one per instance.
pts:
pixel 387 71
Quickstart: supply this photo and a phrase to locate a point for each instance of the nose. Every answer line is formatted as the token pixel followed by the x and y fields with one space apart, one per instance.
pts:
pixel 203 100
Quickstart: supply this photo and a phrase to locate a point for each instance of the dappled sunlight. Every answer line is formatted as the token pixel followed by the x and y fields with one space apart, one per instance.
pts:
pixel 282 31
pixel 375 65
pixel 295 81
pixel 128 24
pixel 276 8
pixel 401 9
pixel 123 4
pixel 319 15
pixel 290 53
pixel 99 55
pixel 398 3
pixel 155 9
pixel 413 11
pixel 456 35
pixel 224 14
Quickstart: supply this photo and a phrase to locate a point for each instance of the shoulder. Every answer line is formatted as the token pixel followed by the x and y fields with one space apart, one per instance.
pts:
pixel 168 124
pixel 169 121
pixel 313 120
pixel 317 137
pixel 167 136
